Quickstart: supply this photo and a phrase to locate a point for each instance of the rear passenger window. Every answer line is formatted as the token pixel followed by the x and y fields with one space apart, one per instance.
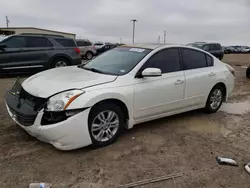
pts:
pixel 66 42
pixel 38 42
pixel 193 59
pixel 88 43
pixel 167 60
pixel 213 47
pixel 210 61
pixel 80 43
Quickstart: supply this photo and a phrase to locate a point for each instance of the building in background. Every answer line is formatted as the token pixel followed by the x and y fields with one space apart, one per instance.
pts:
pixel 20 30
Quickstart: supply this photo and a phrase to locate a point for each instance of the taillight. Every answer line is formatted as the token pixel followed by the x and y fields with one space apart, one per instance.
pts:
pixel 77 50
pixel 231 69
pixel 93 47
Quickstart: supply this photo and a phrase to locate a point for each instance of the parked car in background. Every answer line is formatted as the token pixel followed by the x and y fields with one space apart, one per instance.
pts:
pixel 36 52
pixel 99 45
pixel 245 49
pixel 213 48
pixel 229 50
pixel 105 48
pixel 72 107
pixel 87 49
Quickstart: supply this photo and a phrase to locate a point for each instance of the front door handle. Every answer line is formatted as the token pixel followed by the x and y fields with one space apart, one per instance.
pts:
pixel 212 74
pixel 179 82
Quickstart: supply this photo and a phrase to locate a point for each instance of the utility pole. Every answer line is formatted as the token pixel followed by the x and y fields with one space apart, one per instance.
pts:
pixel 165 34
pixel 134 20
pixel 7 21
pixel 159 38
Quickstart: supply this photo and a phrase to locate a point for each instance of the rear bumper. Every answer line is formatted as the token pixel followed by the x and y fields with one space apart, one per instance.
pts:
pixel 230 86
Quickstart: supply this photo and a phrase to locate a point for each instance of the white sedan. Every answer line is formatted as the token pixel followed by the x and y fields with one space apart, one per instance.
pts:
pixel 72 107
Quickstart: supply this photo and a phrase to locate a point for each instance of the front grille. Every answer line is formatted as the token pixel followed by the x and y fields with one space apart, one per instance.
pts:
pixel 23 105
pixel 25 120
pixel 37 102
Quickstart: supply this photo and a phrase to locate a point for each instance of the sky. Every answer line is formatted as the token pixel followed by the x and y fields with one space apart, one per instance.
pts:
pixel 185 21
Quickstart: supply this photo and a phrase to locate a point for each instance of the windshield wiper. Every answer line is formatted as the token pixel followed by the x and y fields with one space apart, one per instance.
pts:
pixel 93 70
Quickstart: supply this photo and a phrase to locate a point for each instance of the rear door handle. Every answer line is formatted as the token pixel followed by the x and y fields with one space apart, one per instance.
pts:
pixel 179 82
pixel 211 74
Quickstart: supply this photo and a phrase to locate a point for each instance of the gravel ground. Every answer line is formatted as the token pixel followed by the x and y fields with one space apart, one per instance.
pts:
pixel 186 143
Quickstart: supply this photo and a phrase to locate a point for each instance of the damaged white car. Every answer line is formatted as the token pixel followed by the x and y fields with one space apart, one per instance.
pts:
pixel 72 107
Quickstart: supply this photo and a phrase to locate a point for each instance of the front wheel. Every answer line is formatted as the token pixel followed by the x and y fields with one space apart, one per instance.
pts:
pixel 106 122
pixel 215 99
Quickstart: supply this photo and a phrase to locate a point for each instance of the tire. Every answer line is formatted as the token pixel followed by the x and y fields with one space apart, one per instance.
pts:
pixel 248 72
pixel 59 62
pixel 89 55
pixel 215 99
pixel 105 134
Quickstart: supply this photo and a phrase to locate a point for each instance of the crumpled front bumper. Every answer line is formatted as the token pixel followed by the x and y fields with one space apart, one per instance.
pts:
pixel 70 134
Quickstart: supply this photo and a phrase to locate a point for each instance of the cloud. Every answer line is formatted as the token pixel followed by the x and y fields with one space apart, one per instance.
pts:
pixel 225 21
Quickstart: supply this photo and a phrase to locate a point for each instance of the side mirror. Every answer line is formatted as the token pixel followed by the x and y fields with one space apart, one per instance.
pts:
pixel 151 72
pixel 2 46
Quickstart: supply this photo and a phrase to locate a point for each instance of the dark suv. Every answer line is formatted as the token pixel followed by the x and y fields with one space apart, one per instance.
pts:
pixel 36 52
pixel 213 48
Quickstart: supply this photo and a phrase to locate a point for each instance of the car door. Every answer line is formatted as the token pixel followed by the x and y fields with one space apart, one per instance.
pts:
pixel 11 55
pixel 158 95
pixel 200 76
pixel 215 50
pixel 38 52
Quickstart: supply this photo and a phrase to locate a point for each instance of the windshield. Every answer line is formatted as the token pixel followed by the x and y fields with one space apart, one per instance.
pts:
pixel 2 37
pixel 118 61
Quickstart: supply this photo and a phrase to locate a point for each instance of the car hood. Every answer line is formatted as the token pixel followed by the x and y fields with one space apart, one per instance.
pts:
pixel 50 82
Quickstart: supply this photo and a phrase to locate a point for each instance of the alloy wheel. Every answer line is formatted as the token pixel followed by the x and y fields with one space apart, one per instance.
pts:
pixel 104 126
pixel 216 99
pixel 89 55
pixel 60 64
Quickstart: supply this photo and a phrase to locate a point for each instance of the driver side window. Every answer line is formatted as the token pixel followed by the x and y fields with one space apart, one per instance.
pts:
pixel 15 42
pixel 206 47
pixel 167 60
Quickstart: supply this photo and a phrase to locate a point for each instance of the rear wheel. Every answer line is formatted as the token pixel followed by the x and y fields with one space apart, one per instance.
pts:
pixel 248 72
pixel 106 122
pixel 59 62
pixel 89 55
pixel 215 99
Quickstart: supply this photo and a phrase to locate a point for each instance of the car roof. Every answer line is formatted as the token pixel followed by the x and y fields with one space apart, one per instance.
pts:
pixel 150 46
pixel 84 40
pixel 42 35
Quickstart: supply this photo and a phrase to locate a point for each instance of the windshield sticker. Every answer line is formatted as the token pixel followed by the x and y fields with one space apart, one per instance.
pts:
pixel 136 50
pixel 122 71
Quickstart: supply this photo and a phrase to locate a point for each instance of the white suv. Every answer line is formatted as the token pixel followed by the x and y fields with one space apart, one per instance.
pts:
pixel 87 49
pixel 76 106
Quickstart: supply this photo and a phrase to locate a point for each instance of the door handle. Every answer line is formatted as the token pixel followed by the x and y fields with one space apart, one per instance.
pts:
pixel 211 74
pixel 179 82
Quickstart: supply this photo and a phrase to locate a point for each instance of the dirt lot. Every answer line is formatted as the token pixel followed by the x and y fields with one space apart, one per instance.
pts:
pixel 186 143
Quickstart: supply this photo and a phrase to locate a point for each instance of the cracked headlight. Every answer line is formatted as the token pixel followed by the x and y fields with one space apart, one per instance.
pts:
pixel 61 101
